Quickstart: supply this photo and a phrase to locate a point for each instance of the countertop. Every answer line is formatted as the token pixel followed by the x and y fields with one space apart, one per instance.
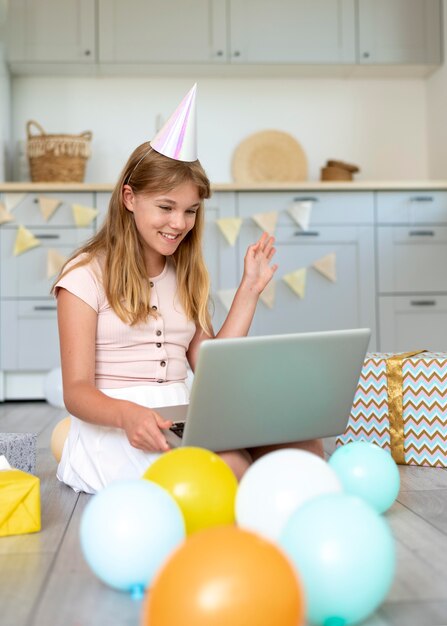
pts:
pixel 363 185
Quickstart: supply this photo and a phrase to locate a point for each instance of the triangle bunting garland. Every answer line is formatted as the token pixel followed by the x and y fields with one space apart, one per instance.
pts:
pixel 300 212
pixel 266 221
pixel 5 215
pixel 48 206
pixel 230 227
pixel 25 240
pixel 13 199
pixel 55 262
pixel 297 281
pixel 83 215
pixel 226 296
pixel 327 266
pixel 268 295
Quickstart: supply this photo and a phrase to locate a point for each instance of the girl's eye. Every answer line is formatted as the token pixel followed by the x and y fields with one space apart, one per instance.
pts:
pixel 165 208
pixel 192 211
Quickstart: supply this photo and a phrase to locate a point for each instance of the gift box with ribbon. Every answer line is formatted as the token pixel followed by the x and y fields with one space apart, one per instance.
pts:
pixel 19 501
pixel 401 405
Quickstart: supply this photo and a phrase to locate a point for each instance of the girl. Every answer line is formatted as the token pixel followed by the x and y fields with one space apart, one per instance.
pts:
pixel 132 310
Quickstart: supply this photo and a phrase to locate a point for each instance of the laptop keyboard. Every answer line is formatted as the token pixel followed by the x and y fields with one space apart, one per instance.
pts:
pixel 177 428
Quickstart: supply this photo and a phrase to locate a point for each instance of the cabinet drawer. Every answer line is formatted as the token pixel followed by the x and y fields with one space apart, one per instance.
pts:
pixel 412 207
pixel 413 323
pixel 29 335
pixel 28 213
pixel 327 207
pixel 412 259
pixel 25 276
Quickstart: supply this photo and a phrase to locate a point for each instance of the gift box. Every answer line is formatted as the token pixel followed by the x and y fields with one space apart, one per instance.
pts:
pixel 401 405
pixel 20 450
pixel 19 502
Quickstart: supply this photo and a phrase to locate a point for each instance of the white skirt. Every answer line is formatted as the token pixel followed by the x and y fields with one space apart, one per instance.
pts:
pixel 94 456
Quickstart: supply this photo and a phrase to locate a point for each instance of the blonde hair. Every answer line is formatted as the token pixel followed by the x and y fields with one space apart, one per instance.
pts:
pixel 125 279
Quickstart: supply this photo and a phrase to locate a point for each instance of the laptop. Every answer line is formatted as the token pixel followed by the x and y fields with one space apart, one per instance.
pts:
pixel 252 391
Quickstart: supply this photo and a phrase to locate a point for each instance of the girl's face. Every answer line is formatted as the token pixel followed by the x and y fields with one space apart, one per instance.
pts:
pixel 163 219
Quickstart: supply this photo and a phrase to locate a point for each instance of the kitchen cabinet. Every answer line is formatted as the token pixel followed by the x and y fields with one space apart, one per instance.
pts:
pixel 47 31
pixel 400 32
pixel 322 31
pixel 162 31
pixel 341 224
pixel 412 283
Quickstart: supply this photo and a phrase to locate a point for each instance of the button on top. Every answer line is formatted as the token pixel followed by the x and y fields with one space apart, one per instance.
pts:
pixel 151 284
pixel 158 333
pixel 163 363
pixel 154 307
pixel 160 381
pixel 158 345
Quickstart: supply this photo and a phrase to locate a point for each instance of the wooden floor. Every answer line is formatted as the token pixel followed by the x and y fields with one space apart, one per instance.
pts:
pixel 44 580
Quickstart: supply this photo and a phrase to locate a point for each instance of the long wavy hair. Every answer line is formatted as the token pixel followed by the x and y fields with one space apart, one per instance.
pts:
pixel 125 279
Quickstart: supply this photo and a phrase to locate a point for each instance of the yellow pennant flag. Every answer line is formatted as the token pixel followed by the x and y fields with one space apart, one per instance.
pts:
pixel 268 295
pixel 5 215
pixel 48 206
pixel 83 215
pixel 327 266
pixel 297 281
pixel 25 240
pixel 226 296
pixel 230 227
pixel 55 262
pixel 13 199
pixel 266 221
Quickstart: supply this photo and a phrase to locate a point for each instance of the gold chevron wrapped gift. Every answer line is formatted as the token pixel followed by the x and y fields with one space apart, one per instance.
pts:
pixel 19 503
pixel 401 405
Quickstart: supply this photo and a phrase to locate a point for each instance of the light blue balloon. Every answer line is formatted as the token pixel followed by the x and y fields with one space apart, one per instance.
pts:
pixel 128 530
pixel 344 554
pixel 367 471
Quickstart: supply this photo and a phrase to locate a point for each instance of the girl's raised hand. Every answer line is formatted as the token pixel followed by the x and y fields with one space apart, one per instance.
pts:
pixel 257 269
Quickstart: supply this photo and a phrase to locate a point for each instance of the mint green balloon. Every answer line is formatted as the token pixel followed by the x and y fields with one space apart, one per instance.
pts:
pixel 344 554
pixel 367 471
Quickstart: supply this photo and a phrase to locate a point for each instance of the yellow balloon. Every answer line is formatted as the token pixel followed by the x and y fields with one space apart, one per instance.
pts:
pixel 58 437
pixel 200 482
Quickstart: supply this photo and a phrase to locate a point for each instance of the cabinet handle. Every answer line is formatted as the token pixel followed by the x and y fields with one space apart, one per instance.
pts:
pixel 48 236
pixel 306 199
pixel 422 233
pixel 422 199
pixel 366 55
pixel 423 302
pixel 306 233
pixel 45 307
pixel 87 53
pixel 219 53
pixel 236 53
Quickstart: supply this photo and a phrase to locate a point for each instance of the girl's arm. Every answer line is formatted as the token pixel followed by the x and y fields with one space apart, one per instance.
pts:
pixel 77 334
pixel 257 274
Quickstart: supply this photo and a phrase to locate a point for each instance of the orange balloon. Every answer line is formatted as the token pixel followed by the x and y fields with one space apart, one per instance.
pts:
pixel 58 437
pixel 225 576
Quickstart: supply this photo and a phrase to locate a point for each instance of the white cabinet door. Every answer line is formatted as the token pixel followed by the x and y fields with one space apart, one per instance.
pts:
pixel 292 31
pixel 400 31
pixel 410 323
pixel 48 31
pixel 347 303
pixel 162 31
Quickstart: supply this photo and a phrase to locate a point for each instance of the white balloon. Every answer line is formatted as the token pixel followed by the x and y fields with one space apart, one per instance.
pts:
pixel 52 387
pixel 277 484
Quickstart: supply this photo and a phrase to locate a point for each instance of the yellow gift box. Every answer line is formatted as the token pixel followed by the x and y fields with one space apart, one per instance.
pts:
pixel 19 503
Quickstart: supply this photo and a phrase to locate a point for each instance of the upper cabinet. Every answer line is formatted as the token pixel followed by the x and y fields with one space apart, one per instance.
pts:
pixel 162 31
pixel 147 36
pixel 291 31
pixel 52 31
pixel 400 32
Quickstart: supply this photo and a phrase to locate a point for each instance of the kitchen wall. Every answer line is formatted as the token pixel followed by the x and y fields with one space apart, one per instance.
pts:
pixel 437 115
pixel 379 124
pixel 5 100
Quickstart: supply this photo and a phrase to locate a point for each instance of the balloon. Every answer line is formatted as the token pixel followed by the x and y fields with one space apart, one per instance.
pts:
pixel 344 553
pixel 52 388
pixel 278 483
pixel 225 576
pixel 58 437
pixel 200 482
pixel 367 471
pixel 127 531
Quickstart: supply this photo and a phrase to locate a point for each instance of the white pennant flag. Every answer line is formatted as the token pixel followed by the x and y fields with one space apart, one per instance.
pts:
pixel 268 294
pixel 301 211
pixel 55 262
pixel 226 296
pixel 266 221
pixel 13 199
pixel 48 206
pixel 327 266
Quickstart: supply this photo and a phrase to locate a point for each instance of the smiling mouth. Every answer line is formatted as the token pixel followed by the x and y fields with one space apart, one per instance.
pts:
pixel 169 236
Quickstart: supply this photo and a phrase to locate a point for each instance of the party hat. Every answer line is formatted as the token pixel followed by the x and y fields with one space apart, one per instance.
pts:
pixel 177 139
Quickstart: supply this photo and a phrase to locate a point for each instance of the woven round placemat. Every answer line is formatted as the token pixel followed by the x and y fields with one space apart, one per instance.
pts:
pixel 270 155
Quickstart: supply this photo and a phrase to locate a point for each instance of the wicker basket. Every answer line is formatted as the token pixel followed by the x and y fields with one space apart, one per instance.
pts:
pixel 57 158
